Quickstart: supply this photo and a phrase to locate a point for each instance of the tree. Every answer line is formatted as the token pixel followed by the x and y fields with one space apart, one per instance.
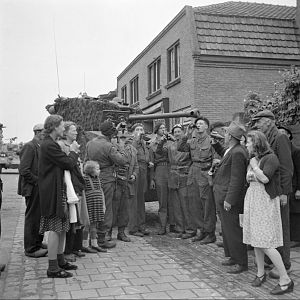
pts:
pixel 284 102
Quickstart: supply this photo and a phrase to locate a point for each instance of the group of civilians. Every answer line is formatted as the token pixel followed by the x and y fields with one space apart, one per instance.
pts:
pixel 245 178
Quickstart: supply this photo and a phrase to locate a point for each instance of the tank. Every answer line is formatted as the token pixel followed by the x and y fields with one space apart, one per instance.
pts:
pixel 88 113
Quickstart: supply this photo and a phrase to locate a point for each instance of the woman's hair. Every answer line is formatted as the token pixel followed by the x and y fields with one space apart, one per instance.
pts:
pixel 67 126
pixel 260 144
pixel 51 123
pixel 90 166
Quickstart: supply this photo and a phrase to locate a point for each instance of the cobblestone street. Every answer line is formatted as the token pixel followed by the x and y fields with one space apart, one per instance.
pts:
pixel 147 268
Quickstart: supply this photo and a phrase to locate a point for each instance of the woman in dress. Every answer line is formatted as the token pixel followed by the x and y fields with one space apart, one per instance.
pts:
pixel 262 227
pixel 74 235
pixel 54 211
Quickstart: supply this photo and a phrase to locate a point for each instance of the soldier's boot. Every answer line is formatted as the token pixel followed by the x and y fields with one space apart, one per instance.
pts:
pixel 103 243
pixel 122 236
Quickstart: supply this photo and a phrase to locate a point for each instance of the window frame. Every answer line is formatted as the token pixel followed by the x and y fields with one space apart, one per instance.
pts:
pixel 154 70
pixel 134 90
pixel 124 89
pixel 173 62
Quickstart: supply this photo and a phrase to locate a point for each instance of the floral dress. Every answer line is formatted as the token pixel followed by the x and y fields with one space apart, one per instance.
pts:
pixel 262 226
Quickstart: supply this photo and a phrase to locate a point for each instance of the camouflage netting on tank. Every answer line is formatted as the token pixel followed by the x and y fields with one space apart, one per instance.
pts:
pixel 84 112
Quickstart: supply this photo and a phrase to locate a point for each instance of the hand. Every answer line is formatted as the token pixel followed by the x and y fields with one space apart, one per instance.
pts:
pixel 283 200
pixel 152 184
pixel 253 163
pixel 151 164
pixel 75 147
pixel 216 161
pixel 189 129
pixel 297 195
pixel 132 178
pixel 227 206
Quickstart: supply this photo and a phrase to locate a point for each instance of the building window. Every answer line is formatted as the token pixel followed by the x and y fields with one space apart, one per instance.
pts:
pixel 154 77
pixel 134 90
pixel 174 62
pixel 124 93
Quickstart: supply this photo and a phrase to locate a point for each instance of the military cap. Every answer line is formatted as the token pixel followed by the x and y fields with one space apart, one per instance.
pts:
pixel 264 114
pixel 38 127
pixel 107 128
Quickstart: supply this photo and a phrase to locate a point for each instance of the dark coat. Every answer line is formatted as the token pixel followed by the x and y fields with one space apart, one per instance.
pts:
pixel 281 146
pixel 28 169
pixel 52 163
pixel 295 204
pixel 230 178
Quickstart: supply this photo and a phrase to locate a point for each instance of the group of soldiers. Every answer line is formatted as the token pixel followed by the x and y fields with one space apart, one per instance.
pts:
pixel 194 181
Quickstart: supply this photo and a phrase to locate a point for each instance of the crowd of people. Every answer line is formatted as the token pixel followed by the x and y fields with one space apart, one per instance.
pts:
pixel 250 180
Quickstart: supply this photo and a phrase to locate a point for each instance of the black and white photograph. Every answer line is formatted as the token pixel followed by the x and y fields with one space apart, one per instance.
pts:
pixel 150 149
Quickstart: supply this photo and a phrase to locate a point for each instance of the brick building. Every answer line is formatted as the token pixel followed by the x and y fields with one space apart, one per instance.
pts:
pixel 210 57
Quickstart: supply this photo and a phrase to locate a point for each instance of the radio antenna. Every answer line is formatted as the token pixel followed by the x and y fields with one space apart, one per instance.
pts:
pixel 57 72
pixel 84 82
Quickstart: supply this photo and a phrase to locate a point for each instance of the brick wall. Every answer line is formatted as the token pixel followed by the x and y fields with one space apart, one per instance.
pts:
pixel 181 94
pixel 221 89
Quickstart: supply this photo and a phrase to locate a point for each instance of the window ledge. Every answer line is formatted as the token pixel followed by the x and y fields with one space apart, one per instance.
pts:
pixel 136 104
pixel 172 83
pixel 153 94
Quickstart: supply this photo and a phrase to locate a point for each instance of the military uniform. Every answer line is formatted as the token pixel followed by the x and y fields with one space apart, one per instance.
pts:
pixel 202 206
pixel 179 168
pixel 102 150
pixel 161 178
pixel 143 158
pixel 124 204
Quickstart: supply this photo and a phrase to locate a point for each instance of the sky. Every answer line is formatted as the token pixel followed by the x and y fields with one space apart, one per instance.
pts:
pixel 95 41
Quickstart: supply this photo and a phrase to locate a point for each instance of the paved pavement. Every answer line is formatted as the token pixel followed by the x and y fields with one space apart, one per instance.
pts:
pixel 147 268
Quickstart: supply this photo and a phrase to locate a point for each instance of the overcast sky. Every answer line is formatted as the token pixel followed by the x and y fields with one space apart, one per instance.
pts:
pixel 95 40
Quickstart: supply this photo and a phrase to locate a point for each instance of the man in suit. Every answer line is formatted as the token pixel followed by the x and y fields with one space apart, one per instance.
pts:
pixel 280 144
pixel 229 191
pixel 28 188
pixel 295 195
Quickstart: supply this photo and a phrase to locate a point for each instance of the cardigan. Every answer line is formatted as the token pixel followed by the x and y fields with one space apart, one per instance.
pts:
pixel 270 166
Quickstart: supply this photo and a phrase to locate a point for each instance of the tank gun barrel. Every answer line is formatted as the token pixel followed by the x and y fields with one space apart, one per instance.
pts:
pixel 194 113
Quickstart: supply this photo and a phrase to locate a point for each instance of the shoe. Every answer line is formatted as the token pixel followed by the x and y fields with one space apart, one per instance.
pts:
pixel 98 249
pixel 259 280
pixel 237 269
pixel 59 274
pixel 228 262
pixel 38 253
pixel 188 235
pixel 107 244
pixel 136 233
pixel 88 250
pixel 283 289
pixel 208 239
pixel 70 257
pixel 67 266
pixel 2 267
pixel 199 237
pixel 172 229
pixel 144 231
pixel 79 253
pixel 162 231
pixel 123 237
pixel 274 272
pixel 220 244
